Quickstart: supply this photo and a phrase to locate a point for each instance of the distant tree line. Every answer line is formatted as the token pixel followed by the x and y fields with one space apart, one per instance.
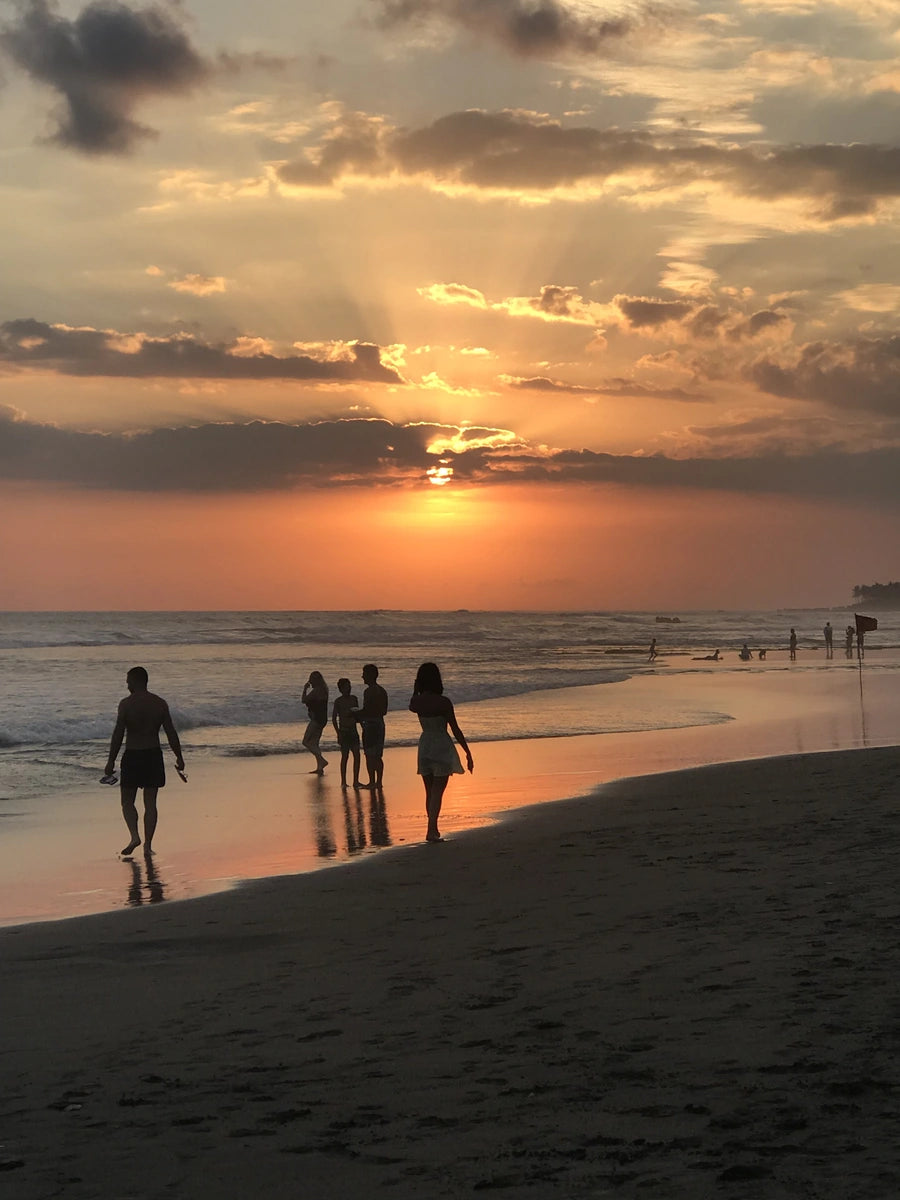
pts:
pixel 878 595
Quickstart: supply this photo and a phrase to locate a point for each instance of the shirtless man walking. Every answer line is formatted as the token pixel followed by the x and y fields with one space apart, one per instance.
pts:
pixel 140 717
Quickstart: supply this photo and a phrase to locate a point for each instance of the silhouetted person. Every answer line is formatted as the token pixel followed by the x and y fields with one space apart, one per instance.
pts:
pixel 371 718
pixel 652 654
pixel 745 654
pixel 438 759
pixel 707 657
pixel 793 645
pixel 315 697
pixel 345 730
pixel 829 640
pixel 848 641
pixel 140 717
pixel 761 655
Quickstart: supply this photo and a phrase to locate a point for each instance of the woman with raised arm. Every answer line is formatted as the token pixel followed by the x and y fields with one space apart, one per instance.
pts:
pixel 315 697
pixel 438 759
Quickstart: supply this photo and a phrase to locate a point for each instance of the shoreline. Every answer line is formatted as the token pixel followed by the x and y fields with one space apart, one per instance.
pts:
pixel 253 818
pixel 681 981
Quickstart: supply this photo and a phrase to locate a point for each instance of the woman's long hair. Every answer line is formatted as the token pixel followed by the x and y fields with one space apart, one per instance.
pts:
pixel 317 679
pixel 428 679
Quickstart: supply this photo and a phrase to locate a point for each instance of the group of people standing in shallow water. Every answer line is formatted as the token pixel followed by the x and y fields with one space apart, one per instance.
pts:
pixel 437 755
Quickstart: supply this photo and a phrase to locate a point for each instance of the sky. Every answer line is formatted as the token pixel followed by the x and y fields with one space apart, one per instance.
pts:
pixel 516 304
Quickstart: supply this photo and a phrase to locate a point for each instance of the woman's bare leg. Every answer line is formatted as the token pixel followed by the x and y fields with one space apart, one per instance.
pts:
pixel 433 802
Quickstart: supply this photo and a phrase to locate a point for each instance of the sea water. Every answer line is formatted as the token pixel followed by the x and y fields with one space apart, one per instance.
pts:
pixel 233 679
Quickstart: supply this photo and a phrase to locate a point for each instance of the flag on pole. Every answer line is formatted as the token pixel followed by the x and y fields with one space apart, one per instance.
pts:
pixel 865 624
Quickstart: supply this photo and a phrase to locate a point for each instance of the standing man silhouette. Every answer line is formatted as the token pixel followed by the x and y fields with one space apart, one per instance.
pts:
pixel 140 717
pixel 371 718
pixel 829 640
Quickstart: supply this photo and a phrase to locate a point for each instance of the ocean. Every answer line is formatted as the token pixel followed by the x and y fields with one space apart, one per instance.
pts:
pixel 233 679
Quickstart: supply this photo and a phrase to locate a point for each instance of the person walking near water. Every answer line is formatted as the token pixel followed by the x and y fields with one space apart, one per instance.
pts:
pixel 371 718
pixel 793 645
pixel 140 717
pixel 437 759
pixel 829 640
pixel 848 641
pixel 315 697
pixel 652 655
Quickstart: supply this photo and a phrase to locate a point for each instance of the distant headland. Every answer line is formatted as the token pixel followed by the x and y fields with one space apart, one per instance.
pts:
pixel 878 595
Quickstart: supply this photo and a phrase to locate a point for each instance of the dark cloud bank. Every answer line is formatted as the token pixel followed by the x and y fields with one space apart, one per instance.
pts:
pixel 28 343
pixel 862 375
pixel 263 456
pixel 530 28
pixel 515 151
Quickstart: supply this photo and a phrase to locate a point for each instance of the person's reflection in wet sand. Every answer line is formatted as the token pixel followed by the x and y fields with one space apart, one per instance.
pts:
pixel 153 892
pixel 354 823
pixel 379 833
pixel 326 845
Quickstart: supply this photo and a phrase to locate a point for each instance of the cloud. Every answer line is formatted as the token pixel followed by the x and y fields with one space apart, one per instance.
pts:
pixel 531 28
pixel 683 319
pixel 616 388
pixel 200 285
pixel 255 456
pixel 27 343
pixel 102 64
pixel 643 313
pixel 769 433
pixel 861 374
pixel 554 302
pixel 528 155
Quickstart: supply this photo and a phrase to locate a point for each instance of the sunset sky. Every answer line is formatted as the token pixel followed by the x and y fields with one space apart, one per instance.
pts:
pixel 449 303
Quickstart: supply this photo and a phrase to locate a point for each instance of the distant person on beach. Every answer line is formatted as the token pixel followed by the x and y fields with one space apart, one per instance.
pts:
pixel 792 643
pixel 345 730
pixel 652 654
pixel 437 759
pixel 761 655
pixel 315 697
pixel 829 640
pixel 848 641
pixel 140 717
pixel 707 657
pixel 745 654
pixel 371 718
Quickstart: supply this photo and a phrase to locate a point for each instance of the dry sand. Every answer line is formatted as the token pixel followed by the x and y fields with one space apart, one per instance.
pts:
pixel 685 986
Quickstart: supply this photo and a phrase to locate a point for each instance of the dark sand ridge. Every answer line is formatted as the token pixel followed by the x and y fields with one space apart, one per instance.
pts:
pixel 682 987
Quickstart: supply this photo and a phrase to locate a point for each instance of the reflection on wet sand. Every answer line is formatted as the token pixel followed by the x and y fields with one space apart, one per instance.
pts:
pixel 145 885
pixel 379 833
pixel 326 843
pixel 354 821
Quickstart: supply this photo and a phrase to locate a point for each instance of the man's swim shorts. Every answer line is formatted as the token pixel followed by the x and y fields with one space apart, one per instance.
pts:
pixel 143 768
pixel 373 736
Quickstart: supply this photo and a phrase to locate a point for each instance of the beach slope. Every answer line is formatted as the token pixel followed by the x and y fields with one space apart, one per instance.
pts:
pixel 682 986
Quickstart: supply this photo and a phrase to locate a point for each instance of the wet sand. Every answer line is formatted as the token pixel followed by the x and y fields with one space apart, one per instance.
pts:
pixel 239 819
pixel 683 986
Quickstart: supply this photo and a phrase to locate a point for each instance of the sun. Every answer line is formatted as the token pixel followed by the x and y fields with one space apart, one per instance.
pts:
pixel 442 474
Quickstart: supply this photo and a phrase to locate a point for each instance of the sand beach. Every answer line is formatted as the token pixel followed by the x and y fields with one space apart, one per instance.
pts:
pixel 681 986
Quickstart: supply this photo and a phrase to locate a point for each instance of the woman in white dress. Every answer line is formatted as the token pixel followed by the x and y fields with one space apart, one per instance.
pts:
pixel 438 759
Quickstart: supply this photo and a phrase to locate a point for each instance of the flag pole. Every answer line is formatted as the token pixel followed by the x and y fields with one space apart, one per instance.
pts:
pixel 863 624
